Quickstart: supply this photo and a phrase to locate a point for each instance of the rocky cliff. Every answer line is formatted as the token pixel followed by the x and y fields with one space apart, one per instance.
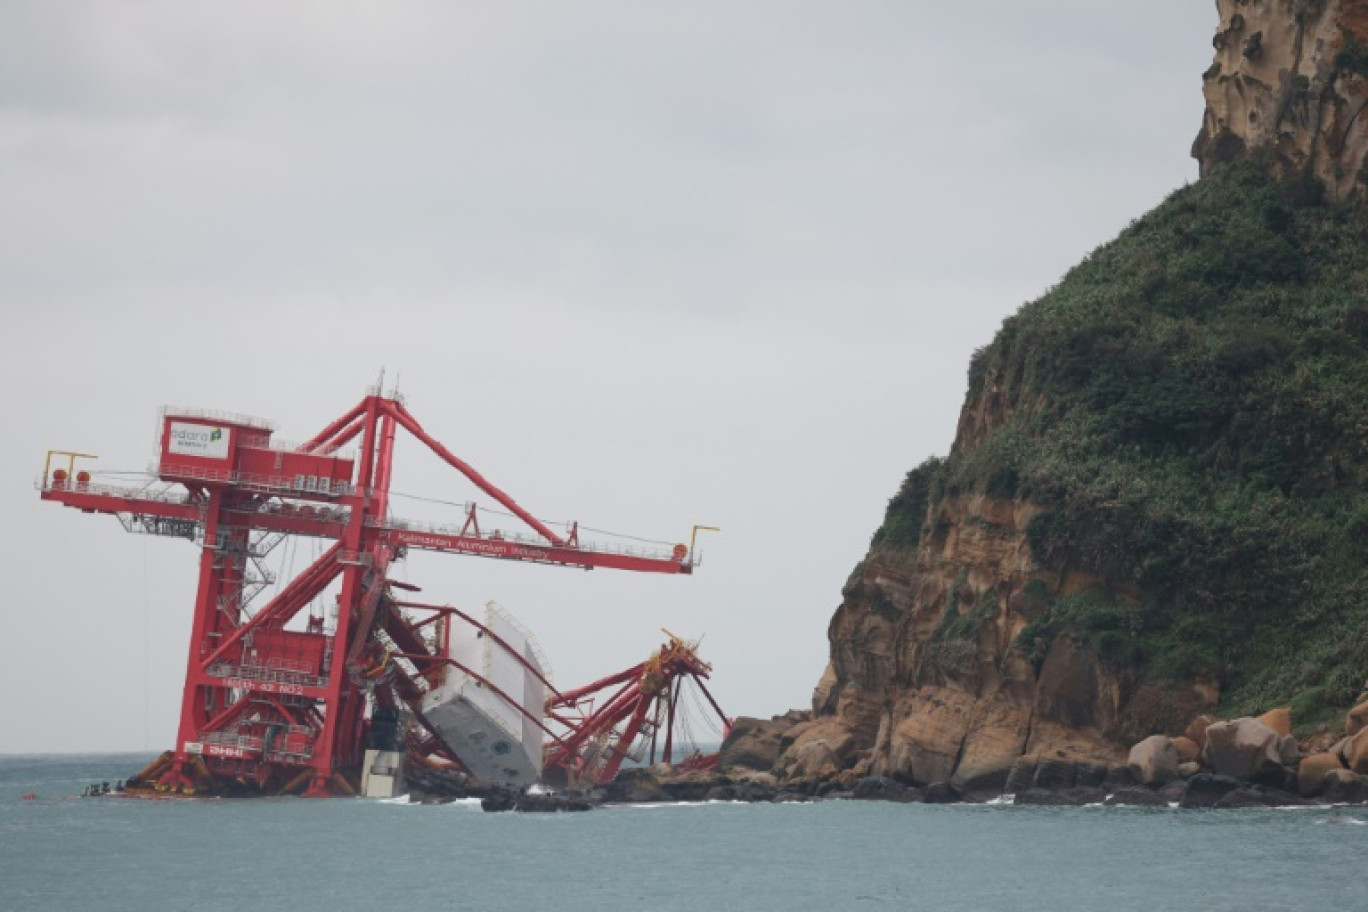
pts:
pixel 1290 81
pixel 1156 500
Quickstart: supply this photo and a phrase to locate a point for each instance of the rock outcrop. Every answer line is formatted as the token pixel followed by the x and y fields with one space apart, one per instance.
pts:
pixel 1245 749
pixel 1154 761
pixel 925 678
pixel 1060 587
pixel 1290 81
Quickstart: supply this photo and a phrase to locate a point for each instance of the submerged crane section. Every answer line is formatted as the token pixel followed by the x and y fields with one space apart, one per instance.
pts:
pixel 279 698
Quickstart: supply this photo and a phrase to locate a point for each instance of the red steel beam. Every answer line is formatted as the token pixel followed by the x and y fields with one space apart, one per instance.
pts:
pixel 323 436
pixel 413 427
pixel 301 590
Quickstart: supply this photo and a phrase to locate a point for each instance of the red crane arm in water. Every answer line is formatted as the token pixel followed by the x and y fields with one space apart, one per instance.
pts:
pixel 647 695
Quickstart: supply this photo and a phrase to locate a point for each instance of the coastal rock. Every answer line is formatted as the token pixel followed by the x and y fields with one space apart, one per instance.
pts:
pixel 1189 751
pixel 925 745
pixel 1154 761
pixel 1204 790
pixel 1244 749
pixel 1054 774
pixel 1047 797
pixel 1175 791
pixel 754 792
pixel 820 749
pixel 1119 777
pixel 1197 729
pixel 940 793
pixel 1280 720
pixel 1021 776
pixel 1089 774
pixel 1256 796
pixel 690 786
pixel 1289 751
pixel 1311 774
pixel 1343 787
pixel 1282 87
pixel 786 796
pixel 879 788
pixel 753 743
pixel 740 774
pixel 1137 797
pixel 1355 753
pixel 926 676
pixel 545 803
pixel 997 733
pixel 632 786
pixel 1355 720
pixel 496 802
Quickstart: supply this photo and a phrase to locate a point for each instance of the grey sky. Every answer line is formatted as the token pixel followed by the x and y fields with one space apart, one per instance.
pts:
pixel 644 265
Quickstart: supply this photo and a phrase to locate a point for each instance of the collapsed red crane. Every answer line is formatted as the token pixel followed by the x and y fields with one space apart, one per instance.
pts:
pixel 284 709
pixel 646 697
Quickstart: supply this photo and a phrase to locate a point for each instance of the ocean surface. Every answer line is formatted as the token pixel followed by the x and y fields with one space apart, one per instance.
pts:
pixel 65 852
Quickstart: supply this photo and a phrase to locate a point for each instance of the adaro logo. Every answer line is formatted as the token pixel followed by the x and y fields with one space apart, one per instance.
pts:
pixel 207 442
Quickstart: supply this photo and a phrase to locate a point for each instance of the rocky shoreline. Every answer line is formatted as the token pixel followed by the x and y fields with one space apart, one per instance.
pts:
pixel 1213 764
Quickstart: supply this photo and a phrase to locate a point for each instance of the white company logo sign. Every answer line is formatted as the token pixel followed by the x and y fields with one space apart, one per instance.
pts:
pixel 198 440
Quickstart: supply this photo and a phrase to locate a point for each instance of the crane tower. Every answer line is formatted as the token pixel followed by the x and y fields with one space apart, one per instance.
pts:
pixel 283 706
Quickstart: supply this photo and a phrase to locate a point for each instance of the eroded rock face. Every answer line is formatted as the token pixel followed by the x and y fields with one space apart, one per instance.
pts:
pixel 753 743
pixel 1290 80
pixel 929 676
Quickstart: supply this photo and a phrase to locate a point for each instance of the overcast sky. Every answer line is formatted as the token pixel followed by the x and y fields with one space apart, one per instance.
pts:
pixel 644 265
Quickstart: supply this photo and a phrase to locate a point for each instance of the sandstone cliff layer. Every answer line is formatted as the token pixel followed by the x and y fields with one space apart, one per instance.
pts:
pixel 930 680
pixel 1290 81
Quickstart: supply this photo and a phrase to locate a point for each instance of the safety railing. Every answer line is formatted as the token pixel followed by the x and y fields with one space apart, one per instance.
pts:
pixel 110 490
pixel 517 538
pixel 265 675
pixel 270 484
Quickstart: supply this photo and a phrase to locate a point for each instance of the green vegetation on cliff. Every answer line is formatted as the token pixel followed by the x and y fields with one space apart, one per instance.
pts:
pixel 1189 406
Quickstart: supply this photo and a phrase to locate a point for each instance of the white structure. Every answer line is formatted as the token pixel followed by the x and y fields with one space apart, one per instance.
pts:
pixel 495 740
pixel 382 774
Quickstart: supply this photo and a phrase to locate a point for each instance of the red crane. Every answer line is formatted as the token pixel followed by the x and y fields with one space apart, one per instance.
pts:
pixel 282 708
pixel 644 697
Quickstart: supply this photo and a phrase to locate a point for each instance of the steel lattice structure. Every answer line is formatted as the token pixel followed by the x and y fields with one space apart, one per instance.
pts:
pixel 284 708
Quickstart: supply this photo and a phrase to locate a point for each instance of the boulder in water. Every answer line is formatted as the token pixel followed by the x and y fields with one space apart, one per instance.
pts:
pixel 1205 789
pixel 1311 775
pixel 1344 787
pixel 753 743
pixel 881 788
pixel 1244 749
pixel 1189 751
pixel 1154 761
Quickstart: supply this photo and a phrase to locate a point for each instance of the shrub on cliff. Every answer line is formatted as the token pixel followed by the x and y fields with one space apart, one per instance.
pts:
pixel 1190 407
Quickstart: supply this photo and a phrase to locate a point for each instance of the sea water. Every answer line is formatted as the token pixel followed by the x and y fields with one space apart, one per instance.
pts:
pixel 64 852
